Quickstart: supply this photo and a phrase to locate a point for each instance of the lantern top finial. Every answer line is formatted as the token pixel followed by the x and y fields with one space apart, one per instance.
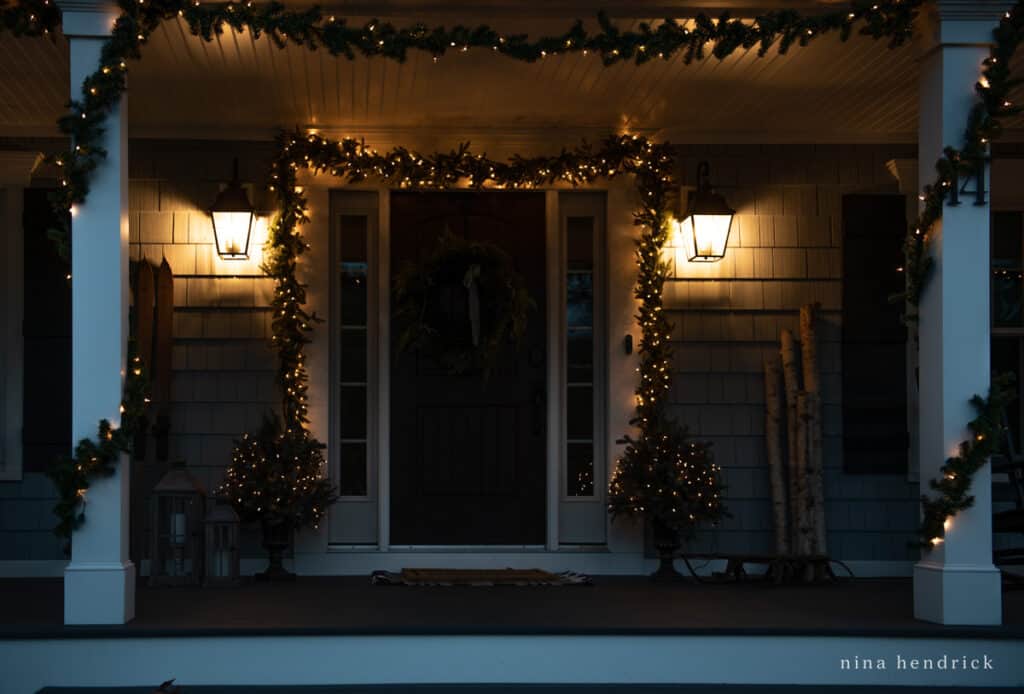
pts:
pixel 221 512
pixel 233 198
pixel 178 480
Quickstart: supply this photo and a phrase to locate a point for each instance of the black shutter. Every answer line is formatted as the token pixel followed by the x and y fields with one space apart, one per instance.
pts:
pixel 874 367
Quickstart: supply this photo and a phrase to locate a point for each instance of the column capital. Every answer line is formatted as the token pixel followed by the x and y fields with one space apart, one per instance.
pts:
pixel 88 18
pixel 963 22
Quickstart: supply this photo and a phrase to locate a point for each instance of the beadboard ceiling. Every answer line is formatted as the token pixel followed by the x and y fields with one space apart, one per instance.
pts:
pixel 238 87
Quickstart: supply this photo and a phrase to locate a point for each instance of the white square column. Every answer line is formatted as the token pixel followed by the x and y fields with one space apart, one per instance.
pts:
pixel 99 582
pixel 955 582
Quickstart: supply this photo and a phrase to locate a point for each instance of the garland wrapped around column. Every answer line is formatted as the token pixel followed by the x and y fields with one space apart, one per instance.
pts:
pixel 72 475
pixel 983 126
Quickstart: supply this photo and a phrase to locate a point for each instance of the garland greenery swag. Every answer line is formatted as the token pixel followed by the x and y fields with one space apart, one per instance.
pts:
pixel 891 19
pixel 502 312
pixel 987 434
pixel 662 474
pixel 71 475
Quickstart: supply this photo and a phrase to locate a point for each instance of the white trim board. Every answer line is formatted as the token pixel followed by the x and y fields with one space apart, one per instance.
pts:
pixel 29 664
pixel 354 562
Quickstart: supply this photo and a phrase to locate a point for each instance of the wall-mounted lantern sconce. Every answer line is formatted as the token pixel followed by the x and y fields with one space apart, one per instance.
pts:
pixel 704 229
pixel 232 220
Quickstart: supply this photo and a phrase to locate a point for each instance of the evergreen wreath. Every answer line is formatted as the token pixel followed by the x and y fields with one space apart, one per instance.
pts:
pixel 473 340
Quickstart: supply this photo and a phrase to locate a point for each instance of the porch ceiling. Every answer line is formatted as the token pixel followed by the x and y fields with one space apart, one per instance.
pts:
pixel 238 87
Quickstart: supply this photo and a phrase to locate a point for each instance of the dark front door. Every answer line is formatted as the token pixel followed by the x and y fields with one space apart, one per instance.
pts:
pixel 468 453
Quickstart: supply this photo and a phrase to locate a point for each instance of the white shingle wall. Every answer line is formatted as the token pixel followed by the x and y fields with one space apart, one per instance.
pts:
pixel 785 250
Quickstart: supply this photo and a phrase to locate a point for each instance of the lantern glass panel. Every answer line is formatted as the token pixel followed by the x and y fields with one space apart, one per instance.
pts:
pixel 177 555
pixel 231 230
pixel 707 236
pixel 222 546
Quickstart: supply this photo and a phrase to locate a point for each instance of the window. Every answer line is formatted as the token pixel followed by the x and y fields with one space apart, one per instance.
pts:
pixel 1007 322
pixel 353 328
pixel 353 274
pixel 579 401
pixel 582 514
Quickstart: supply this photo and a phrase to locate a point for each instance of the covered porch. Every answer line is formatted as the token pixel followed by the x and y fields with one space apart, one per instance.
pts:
pixel 789 138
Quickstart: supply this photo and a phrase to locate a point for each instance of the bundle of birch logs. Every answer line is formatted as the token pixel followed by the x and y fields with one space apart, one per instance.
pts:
pixel 793 415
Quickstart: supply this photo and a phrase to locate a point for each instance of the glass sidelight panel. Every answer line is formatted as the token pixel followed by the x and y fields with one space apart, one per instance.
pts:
pixel 353 269
pixel 579 401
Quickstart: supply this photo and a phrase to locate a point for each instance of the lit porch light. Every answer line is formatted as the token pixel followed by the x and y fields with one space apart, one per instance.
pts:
pixel 232 215
pixel 704 230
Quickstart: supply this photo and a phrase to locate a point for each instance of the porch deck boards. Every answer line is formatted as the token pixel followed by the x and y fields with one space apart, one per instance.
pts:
pixel 621 605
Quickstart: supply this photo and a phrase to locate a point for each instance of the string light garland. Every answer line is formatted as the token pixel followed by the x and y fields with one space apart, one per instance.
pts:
pixel 983 127
pixel 29 17
pixel 892 19
pixel 662 473
pixel 987 434
pixel 97 459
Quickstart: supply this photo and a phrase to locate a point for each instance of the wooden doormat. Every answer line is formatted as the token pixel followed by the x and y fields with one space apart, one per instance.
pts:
pixel 479 577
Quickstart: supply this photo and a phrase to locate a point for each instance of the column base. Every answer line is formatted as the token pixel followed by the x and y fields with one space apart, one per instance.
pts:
pixel 967 594
pixel 99 592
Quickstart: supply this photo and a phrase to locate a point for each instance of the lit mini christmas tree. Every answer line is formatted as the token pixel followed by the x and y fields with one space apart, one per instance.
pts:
pixel 278 477
pixel 667 478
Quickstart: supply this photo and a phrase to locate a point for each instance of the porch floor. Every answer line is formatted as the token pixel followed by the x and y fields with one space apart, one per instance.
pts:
pixel 613 605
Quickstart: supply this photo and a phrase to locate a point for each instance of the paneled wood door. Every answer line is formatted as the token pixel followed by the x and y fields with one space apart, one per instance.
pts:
pixel 468 455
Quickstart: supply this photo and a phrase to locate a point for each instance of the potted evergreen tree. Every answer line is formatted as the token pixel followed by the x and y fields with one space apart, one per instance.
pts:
pixel 671 482
pixel 277 478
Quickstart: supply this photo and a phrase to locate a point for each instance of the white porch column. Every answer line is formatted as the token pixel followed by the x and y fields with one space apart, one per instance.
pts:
pixel 955 582
pixel 99 582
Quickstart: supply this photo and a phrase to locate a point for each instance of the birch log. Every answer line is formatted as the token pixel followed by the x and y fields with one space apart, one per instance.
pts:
pixel 773 442
pixel 804 527
pixel 791 380
pixel 815 455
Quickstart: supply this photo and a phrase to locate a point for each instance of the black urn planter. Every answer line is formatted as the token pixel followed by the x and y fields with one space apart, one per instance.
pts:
pixel 277 538
pixel 666 542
